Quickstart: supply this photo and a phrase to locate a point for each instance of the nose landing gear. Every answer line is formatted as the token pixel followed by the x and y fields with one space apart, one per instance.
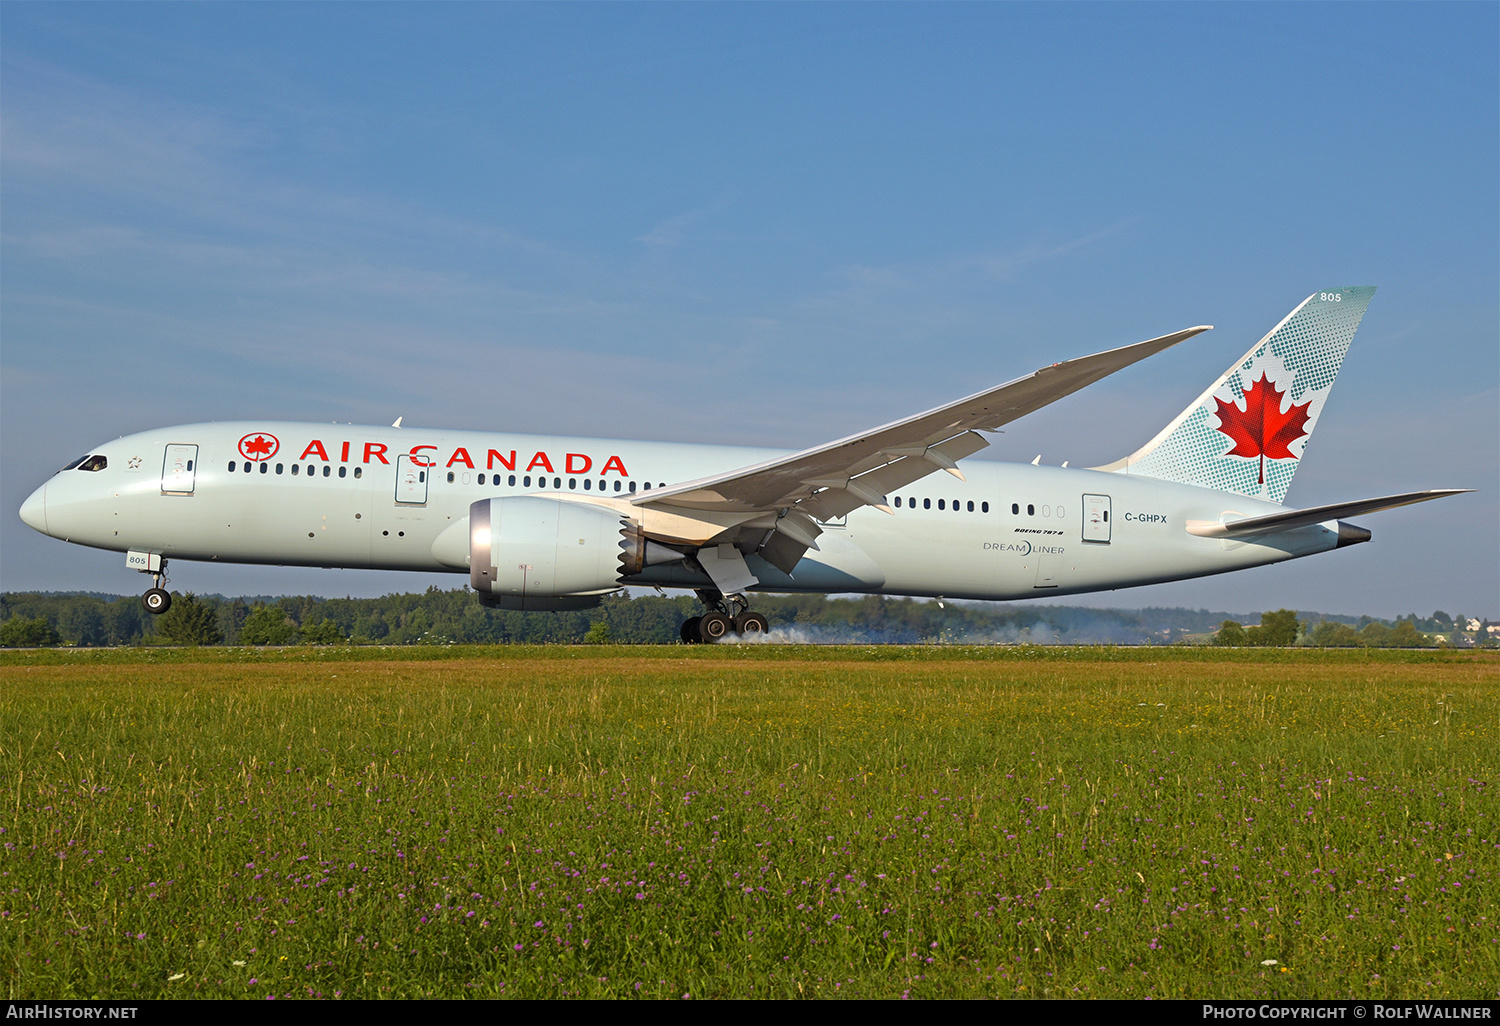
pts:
pixel 157 599
pixel 726 615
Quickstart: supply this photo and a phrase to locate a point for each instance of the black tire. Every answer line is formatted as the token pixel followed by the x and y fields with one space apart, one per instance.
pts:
pixel 751 623
pixel 157 601
pixel 713 626
pixel 689 631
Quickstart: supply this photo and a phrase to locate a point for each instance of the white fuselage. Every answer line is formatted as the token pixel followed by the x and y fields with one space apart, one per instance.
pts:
pixel 370 497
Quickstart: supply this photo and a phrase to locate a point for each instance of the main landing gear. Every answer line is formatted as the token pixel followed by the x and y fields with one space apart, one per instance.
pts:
pixel 724 616
pixel 157 599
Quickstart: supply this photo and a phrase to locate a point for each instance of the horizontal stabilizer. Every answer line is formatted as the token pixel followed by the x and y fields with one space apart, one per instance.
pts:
pixel 1294 518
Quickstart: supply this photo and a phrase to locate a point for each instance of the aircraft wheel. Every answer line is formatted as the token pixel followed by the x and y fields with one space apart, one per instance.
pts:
pixel 714 626
pixel 157 601
pixel 751 623
pixel 689 631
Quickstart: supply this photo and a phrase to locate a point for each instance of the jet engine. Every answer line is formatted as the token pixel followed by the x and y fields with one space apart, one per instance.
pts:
pixel 529 552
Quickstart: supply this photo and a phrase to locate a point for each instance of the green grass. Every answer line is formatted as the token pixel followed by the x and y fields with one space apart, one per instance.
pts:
pixel 749 821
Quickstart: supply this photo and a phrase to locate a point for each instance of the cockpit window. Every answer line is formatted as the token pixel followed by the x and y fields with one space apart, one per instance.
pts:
pixel 73 465
pixel 93 463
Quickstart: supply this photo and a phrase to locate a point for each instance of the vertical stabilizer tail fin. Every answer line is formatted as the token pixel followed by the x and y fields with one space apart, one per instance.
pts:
pixel 1247 433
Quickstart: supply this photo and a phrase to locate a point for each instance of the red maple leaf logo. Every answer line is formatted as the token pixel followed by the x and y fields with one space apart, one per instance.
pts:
pixel 1261 429
pixel 259 446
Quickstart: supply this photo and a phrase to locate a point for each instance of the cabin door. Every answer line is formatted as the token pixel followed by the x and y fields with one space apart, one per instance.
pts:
pixel 411 481
pixel 179 469
pixel 1096 518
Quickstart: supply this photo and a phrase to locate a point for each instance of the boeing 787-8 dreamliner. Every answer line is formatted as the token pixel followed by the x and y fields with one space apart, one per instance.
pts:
pixel 543 522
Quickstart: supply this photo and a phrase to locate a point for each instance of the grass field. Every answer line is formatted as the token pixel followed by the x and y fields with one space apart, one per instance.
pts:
pixel 749 821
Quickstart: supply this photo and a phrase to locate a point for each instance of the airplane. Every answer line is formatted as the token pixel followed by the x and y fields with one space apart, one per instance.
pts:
pixel 540 522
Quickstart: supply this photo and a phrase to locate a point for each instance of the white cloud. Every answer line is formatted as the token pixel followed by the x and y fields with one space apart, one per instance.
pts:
pixel 673 231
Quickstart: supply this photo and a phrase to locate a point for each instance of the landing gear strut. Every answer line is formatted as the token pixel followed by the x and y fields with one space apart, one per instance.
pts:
pixel 157 599
pixel 725 615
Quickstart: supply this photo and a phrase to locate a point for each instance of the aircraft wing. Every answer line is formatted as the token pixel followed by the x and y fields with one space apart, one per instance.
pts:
pixel 831 480
pixel 1293 518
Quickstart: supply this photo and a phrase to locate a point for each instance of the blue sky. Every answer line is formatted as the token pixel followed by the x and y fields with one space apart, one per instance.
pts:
pixel 761 224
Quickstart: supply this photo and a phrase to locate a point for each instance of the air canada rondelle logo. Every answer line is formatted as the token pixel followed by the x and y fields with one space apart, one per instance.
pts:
pixel 259 446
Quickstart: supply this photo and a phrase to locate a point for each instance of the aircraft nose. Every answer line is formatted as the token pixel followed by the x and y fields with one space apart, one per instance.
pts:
pixel 34 510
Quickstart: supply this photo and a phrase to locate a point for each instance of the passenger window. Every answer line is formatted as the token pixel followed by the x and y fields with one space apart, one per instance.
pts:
pixel 940 504
pixel 248 468
pixel 1030 510
pixel 617 486
pixel 450 477
pixel 264 468
pixel 632 488
pixel 343 472
pixel 926 503
pixel 512 480
pixel 359 471
pixel 586 483
pixel 985 506
pixel 327 471
pixel 971 505
pixel 231 466
pixel 526 481
pixel 1015 508
pixel 898 502
pixel 295 467
pixel 279 467
pixel 556 483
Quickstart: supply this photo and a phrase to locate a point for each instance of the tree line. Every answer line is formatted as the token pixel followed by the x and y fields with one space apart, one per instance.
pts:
pixel 439 617
pixel 1282 629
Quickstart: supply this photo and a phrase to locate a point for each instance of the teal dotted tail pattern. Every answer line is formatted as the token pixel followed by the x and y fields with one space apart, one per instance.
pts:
pixel 1301 356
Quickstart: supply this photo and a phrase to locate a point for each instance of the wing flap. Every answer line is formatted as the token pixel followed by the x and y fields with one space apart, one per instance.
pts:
pixel 783 552
pixel 837 501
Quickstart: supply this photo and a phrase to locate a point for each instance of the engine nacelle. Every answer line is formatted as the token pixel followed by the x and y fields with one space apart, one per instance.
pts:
pixel 532 604
pixel 529 552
